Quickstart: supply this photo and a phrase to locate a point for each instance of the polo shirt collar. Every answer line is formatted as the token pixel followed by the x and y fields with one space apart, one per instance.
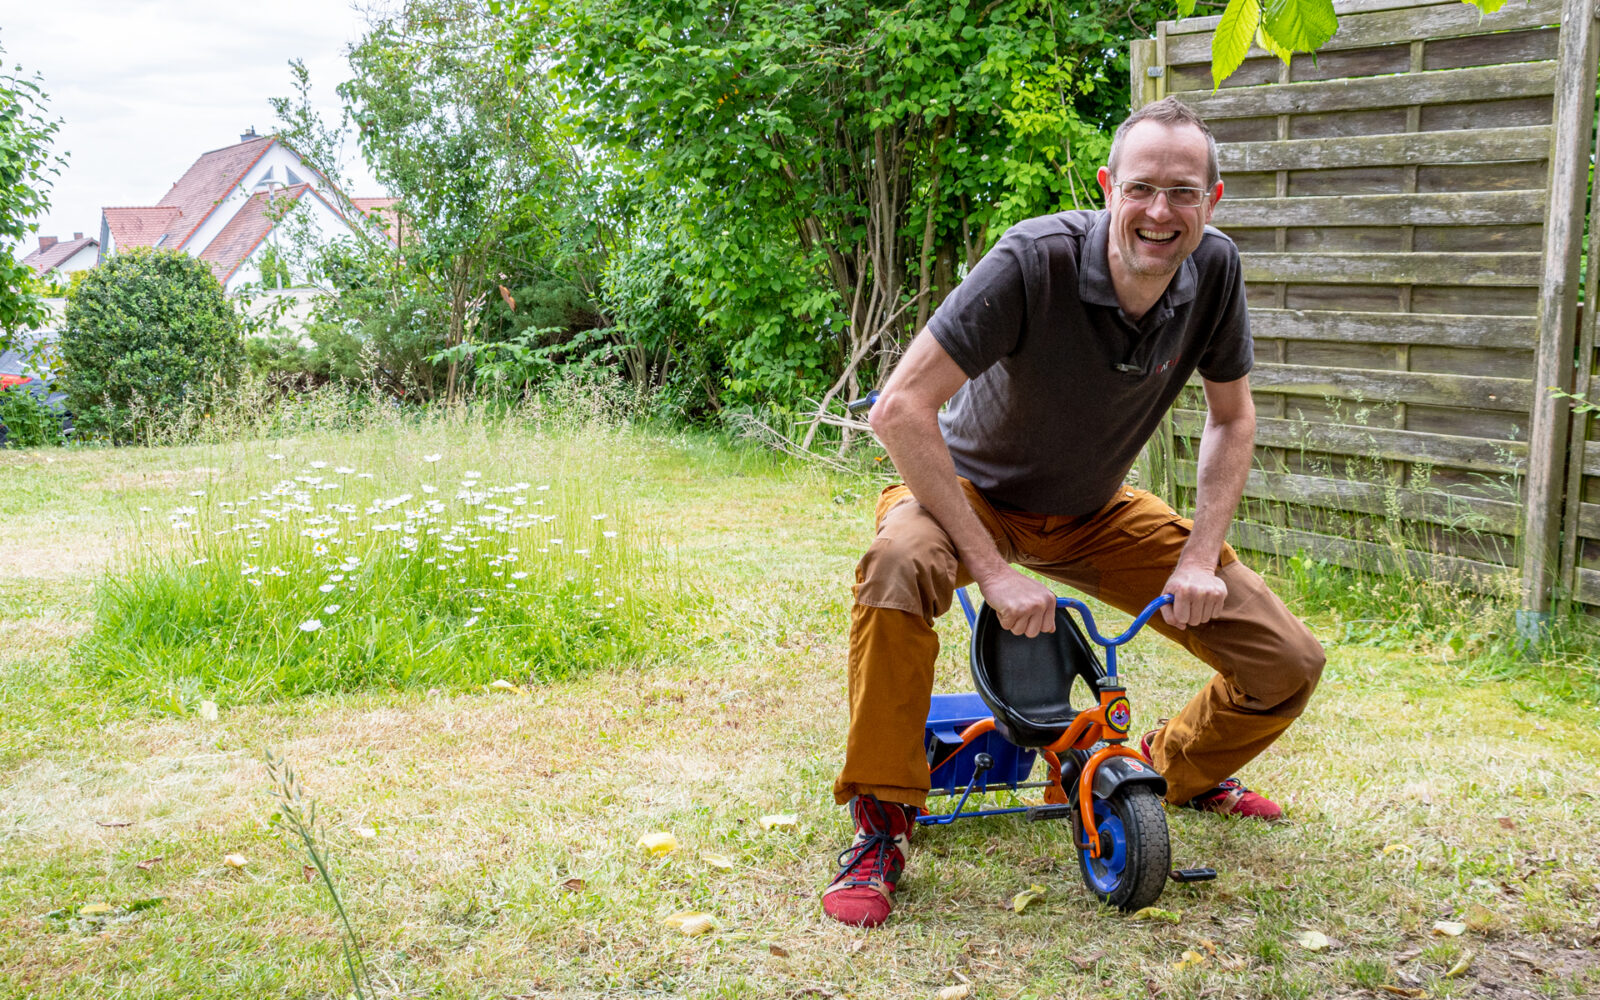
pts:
pixel 1094 271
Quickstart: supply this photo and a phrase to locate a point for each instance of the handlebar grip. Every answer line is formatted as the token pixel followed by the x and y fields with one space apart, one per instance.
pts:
pixel 863 404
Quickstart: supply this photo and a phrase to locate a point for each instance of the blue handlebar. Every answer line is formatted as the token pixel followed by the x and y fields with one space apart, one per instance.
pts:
pixel 1133 630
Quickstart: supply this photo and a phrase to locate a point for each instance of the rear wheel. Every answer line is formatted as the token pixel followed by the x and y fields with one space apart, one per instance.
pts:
pixel 1135 852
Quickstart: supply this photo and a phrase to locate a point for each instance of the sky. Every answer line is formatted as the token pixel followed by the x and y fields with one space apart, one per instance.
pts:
pixel 143 87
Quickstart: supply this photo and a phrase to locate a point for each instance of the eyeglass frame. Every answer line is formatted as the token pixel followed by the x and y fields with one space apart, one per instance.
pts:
pixel 1156 189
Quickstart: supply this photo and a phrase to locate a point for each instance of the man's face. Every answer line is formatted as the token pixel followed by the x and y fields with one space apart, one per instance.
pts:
pixel 1150 239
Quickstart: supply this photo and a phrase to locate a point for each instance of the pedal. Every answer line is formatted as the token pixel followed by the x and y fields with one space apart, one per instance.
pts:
pixel 1063 810
pixel 1193 874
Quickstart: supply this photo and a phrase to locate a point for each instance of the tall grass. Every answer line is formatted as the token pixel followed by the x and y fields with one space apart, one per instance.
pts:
pixel 457 553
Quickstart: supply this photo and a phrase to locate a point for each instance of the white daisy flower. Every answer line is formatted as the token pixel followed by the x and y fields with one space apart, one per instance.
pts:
pixel 311 625
pixel 326 588
pixel 274 458
pixel 432 458
pixel 318 465
pixel 470 622
pixel 331 609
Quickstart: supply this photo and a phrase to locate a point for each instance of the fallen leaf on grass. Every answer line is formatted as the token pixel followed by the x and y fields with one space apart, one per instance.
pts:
pixel 779 821
pixel 659 844
pixel 1402 991
pixel 1209 945
pixel 957 992
pixel 1191 960
pixel 1312 940
pixel 1462 964
pixel 1085 964
pixel 94 909
pixel 208 711
pixel 503 685
pixel 573 885
pixel 234 861
pixel 718 861
pixel 308 872
pixel 114 823
pixel 1021 900
pixel 1398 849
pixel 690 922
pixel 1156 913
pixel 777 950
pixel 149 863
pixel 364 832
pixel 1449 928
pixel 1507 822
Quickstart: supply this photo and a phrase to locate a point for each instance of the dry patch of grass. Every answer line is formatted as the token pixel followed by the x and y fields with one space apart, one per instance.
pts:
pixel 502 857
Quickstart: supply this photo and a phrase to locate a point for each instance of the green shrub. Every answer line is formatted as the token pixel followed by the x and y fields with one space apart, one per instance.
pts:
pixel 144 331
pixel 26 421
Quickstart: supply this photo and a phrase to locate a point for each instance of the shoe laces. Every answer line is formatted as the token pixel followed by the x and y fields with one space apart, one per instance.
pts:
pixel 871 842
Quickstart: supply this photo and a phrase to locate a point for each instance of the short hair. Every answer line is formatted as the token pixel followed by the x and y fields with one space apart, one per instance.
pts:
pixel 1171 112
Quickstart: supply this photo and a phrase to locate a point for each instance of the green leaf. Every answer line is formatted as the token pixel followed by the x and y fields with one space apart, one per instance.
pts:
pixel 1269 44
pixel 1233 37
pixel 1186 8
pixel 1299 25
pixel 1486 6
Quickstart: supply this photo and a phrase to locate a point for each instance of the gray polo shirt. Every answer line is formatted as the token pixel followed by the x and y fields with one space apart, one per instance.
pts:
pixel 1065 389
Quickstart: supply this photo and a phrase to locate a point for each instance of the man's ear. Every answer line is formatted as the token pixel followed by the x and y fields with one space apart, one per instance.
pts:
pixel 1103 175
pixel 1216 196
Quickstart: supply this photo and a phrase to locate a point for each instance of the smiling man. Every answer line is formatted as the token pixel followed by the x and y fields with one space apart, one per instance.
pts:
pixel 1058 356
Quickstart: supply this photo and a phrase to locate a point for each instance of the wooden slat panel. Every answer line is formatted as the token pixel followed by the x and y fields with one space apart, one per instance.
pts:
pixel 1394 387
pixel 1589 520
pixel 1498 145
pixel 1446 86
pixel 1588 586
pixel 1591 458
pixel 1394 328
pixel 1444 209
pixel 1367 556
pixel 1379 442
pixel 1448 510
pixel 1490 269
pixel 1190 41
pixel 1481 50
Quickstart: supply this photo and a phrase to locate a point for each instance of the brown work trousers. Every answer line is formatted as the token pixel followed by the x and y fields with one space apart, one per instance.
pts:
pixel 1267 662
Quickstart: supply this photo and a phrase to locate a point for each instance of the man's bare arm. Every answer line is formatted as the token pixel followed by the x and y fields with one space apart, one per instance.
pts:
pixel 1226 446
pixel 906 420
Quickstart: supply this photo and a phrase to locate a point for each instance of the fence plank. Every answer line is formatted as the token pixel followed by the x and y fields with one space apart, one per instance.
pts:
pixel 1456 208
pixel 1368 557
pixel 1444 509
pixel 1395 328
pixel 1445 86
pixel 1588 586
pixel 1190 40
pixel 1452 450
pixel 1517 143
pixel 1376 386
pixel 1481 269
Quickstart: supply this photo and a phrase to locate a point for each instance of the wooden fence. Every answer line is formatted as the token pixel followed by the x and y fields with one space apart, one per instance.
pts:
pixel 1410 210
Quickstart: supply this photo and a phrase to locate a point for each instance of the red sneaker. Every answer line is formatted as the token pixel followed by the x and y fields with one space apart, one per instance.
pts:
pixel 1231 798
pixel 863 892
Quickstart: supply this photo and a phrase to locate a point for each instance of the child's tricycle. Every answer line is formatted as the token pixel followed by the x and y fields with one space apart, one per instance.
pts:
pixel 1024 706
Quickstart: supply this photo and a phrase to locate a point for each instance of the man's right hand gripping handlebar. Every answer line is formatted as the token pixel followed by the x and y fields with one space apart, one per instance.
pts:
pixel 1024 606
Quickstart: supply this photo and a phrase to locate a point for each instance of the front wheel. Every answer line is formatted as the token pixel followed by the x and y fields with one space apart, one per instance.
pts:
pixel 1135 851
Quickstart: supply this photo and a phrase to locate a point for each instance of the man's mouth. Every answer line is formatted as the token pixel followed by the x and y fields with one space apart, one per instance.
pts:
pixel 1156 236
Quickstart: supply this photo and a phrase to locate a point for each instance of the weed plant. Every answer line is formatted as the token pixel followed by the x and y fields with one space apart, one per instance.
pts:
pixel 384 565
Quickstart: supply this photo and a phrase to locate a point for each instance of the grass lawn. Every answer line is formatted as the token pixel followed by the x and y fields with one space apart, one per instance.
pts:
pixel 484 839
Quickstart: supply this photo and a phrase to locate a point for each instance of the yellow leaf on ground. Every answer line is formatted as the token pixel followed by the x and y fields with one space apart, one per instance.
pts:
pixel 1156 913
pixel 1462 964
pixel 1312 940
pixel 1402 991
pixel 1449 928
pixel 690 922
pixel 958 992
pixel 780 821
pixel 94 909
pixel 1398 849
pixel 208 711
pixel 718 861
pixel 234 860
pixel 1022 899
pixel 1190 960
pixel 503 685
pixel 659 843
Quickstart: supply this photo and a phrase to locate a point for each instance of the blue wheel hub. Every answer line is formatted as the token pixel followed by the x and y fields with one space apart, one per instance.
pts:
pixel 1105 872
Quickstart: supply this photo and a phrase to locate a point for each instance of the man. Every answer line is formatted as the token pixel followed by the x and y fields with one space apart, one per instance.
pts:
pixel 1059 354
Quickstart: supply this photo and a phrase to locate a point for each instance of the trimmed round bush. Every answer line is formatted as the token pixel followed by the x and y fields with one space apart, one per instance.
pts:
pixel 146 331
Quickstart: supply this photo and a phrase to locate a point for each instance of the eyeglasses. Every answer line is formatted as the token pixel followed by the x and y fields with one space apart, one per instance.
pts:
pixel 1178 197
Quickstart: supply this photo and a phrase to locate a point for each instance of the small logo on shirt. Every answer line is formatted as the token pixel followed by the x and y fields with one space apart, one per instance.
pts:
pixel 1165 365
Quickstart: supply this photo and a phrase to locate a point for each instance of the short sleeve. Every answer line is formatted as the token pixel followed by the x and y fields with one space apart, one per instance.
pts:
pixel 981 321
pixel 1231 353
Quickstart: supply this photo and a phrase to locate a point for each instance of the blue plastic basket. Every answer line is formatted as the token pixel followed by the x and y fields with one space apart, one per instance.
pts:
pixel 948 715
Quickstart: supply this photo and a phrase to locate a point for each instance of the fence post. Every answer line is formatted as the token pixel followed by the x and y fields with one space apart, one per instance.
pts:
pixel 1573 117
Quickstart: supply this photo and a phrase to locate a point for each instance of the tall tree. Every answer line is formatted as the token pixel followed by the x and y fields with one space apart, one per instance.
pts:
pixel 27 168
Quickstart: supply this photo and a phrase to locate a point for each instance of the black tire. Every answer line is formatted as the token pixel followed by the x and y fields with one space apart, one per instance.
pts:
pixel 1135 850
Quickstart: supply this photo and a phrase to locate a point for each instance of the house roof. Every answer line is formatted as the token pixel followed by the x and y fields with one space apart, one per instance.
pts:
pixel 51 257
pixel 383 212
pixel 245 231
pixel 208 183
pixel 141 227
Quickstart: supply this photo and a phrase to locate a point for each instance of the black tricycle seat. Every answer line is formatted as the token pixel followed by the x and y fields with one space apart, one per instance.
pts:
pixel 1027 683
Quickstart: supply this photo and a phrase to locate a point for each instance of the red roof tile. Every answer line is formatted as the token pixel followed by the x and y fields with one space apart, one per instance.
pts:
pixel 47 260
pixel 383 212
pixel 214 176
pixel 141 227
pixel 245 231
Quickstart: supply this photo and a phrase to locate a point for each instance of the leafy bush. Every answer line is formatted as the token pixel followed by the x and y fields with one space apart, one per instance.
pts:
pixel 26 421
pixel 145 330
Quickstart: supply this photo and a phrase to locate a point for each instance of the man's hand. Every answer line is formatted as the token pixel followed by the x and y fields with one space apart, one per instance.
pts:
pixel 1025 606
pixel 1197 596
